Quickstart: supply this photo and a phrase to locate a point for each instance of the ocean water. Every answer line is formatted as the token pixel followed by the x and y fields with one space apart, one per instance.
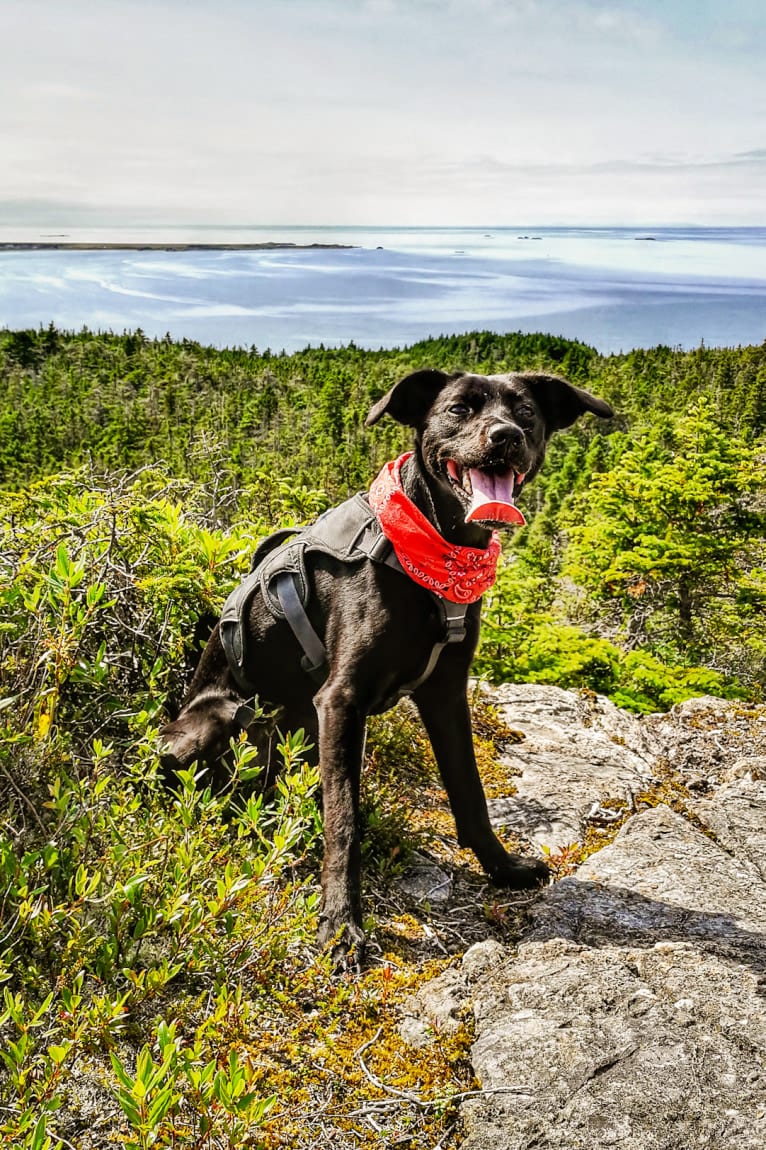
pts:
pixel 614 288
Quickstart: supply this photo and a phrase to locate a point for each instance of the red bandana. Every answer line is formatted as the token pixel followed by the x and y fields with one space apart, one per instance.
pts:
pixel 460 574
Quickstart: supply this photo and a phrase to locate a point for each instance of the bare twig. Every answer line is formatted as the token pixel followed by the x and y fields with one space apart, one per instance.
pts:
pixel 24 798
pixel 399 1096
pixel 403 1094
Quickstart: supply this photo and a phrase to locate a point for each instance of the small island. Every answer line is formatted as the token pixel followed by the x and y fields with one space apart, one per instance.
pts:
pixel 108 246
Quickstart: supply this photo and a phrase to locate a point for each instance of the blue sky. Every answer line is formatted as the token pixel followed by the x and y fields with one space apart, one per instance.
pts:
pixel 393 112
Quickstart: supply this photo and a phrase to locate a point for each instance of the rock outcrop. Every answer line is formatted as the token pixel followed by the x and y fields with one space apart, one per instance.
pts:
pixel 577 750
pixel 633 1012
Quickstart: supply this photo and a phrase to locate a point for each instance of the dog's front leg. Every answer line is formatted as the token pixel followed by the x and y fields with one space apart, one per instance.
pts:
pixel 341 745
pixel 447 719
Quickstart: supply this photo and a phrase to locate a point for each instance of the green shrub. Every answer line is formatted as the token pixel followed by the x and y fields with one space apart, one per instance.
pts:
pixel 157 947
pixel 542 651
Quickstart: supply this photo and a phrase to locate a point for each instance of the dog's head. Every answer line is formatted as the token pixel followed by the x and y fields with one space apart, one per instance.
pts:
pixel 484 436
pixel 202 731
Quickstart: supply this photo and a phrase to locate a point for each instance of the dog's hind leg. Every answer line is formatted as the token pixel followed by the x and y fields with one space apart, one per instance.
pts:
pixel 447 719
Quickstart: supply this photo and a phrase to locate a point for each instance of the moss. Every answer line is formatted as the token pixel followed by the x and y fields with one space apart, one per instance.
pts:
pixel 336 1059
pixel 665 790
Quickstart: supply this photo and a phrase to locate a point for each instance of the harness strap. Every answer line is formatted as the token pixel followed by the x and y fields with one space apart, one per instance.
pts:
pixel 453 622
pixel 453 619
pixel 314 661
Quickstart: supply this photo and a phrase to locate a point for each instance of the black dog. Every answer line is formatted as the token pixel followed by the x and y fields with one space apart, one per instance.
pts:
pixel 339 629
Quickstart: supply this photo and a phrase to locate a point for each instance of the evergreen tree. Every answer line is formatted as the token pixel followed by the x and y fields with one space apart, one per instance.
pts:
pixel 673 528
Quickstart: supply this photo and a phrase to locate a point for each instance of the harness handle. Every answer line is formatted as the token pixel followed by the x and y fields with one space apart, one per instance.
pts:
pixel 314 661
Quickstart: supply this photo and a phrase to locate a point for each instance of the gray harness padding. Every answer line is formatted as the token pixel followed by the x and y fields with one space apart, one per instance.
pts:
pixel 349 533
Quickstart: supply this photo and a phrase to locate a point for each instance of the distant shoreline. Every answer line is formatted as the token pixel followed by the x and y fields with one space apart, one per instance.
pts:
pixel 58 246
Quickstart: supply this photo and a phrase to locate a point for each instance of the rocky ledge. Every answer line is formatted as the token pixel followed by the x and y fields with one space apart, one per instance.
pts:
pixel 633 1011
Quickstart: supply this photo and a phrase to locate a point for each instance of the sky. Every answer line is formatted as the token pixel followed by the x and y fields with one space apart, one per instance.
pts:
pixel 381 112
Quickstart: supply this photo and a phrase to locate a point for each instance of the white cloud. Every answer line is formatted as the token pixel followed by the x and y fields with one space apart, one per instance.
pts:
pixel 424 111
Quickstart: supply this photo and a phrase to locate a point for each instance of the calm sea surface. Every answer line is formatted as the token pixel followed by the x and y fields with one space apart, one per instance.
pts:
pixel 614 288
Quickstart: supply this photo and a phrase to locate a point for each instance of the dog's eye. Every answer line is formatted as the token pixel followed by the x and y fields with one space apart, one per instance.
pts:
pixel 460 409
pixel 525 412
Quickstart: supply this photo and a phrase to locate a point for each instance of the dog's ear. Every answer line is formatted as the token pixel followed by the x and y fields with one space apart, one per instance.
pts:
pixel 409 400
pixel 184 741
pixel 201 732
pixel 561 402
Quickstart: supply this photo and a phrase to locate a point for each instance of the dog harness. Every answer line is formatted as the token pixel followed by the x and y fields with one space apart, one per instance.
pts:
pixel 349 533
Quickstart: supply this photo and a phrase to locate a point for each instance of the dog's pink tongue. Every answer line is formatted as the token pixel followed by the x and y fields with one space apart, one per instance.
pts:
pixel 493 498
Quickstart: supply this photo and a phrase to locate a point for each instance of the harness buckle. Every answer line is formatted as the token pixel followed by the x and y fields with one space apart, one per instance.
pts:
pixel 454 620
pixel 373 543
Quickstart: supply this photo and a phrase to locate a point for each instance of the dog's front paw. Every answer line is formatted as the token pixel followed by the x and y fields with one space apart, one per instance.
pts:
pixel 345 940
pixel 519 873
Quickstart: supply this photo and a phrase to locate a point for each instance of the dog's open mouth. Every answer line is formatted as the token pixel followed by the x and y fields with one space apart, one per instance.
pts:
pixel 489 493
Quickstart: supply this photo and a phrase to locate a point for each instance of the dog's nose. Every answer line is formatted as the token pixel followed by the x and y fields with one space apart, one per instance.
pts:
pixel 505 433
